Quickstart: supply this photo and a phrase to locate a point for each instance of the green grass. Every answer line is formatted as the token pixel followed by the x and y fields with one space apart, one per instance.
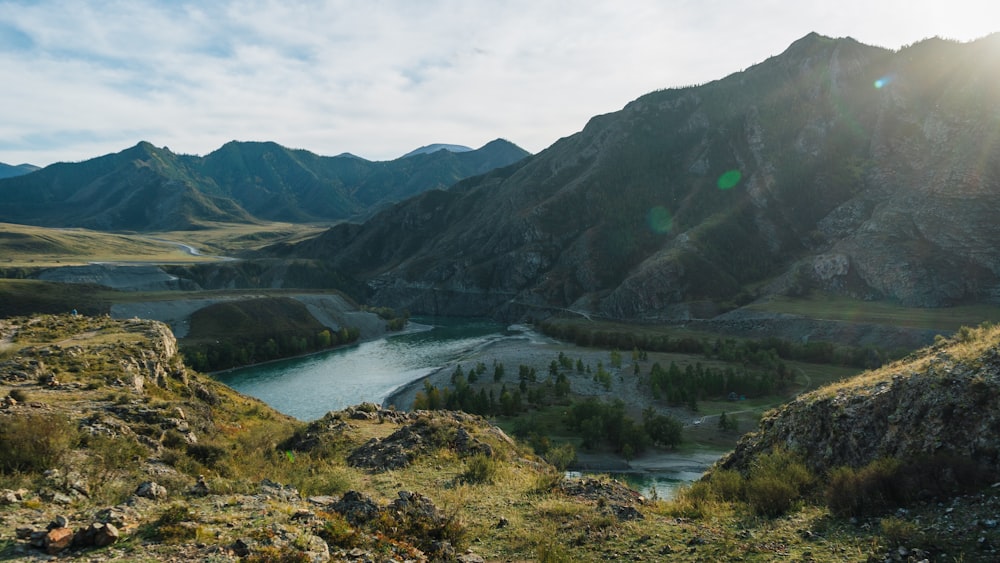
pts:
pixel 25 246
pixel 837 308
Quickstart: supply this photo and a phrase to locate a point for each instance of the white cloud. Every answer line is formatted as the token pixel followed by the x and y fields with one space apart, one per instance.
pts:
pixel 380 78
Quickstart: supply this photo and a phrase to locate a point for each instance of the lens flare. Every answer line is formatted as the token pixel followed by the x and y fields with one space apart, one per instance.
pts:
pixel 883 82
pixel 659 220
pixel 729 179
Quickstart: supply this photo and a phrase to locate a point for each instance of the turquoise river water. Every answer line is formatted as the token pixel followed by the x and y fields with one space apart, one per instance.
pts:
pixel 308 387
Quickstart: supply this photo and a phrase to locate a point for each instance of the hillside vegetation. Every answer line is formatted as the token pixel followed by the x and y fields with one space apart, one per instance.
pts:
pixel 112 448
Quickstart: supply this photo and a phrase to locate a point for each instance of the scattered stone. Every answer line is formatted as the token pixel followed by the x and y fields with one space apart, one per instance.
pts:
pixel 357 508
pixel 626 513
pixel 37 538
pixel 105 534
pixel 200 488
pixel 240 548
pixel 278 491
pixel 303 514
pixel 596 489
pixel 8 496
pixel 502 523
pixel 696 540
pixel 122 517
pixel 470 558
pixel 427 432
pixel 151 490
pixel 98 534
pixel 58 539
pixel 321 500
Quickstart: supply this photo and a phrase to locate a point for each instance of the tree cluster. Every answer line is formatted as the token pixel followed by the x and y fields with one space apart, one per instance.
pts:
pixel 236 352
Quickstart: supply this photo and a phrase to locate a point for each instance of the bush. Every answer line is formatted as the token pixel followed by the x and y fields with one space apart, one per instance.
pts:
pixel 18 395
pixel 35 442
pixel 170 526
pixel 207 454
pixel 338 532
pixel 727 485
pixel 899 532
pixel 776 481
pixel 480 469
pixel 770 495
pixel 868 490
pixel 561 456
pixel 887 483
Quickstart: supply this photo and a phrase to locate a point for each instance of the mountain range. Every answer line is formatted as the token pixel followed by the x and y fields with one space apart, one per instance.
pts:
pixel 835 165
pixel 146 188
pixel 9 171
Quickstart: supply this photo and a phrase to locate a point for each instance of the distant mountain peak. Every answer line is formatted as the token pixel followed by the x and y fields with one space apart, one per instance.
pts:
pixel 9 171
pixel 428 149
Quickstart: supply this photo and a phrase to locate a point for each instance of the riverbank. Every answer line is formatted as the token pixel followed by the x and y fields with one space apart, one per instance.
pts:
pixel 538 351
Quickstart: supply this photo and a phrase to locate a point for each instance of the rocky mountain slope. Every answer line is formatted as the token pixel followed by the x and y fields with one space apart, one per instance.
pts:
pixel 111 449
pixel 834 165
pixel 942 401
pixel 146 188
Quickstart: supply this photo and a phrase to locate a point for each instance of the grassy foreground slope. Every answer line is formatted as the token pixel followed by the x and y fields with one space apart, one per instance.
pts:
pixel 106 437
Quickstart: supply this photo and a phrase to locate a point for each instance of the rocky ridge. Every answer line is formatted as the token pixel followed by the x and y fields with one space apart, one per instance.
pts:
pixel 943 400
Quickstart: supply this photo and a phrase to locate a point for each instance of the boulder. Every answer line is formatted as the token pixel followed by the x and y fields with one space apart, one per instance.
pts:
pixel 58 539
pixel 151 490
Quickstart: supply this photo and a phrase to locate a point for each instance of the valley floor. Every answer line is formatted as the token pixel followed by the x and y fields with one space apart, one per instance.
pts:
pixel 537 351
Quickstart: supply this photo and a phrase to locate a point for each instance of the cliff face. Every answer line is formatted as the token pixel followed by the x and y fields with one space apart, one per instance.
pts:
pixel 833 165
pixel 943 400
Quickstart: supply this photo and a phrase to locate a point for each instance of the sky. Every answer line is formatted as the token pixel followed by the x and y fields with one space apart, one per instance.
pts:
pixel 378 78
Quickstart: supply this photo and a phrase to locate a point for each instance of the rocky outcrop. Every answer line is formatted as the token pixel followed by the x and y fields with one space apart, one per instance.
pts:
pixel 945 401
pixel 428 432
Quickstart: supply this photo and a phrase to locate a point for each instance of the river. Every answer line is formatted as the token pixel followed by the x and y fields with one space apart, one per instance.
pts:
pixel 308 387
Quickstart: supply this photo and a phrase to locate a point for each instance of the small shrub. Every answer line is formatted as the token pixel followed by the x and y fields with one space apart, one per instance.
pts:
pixel 170 526
pixel 207 454
pixel 776 481
pixel 727 485
pixel 480 469
pixel 942 475
pixel 874 488
pixel 337 532
pixel 549 550
pixel 561 456
pixel 35 442
pixel 770 495
pixel 696 500
pixel 173 439
pixel 19 395
pixel 114 452
pixel 274 554
pixel 546 482
pixel 899 532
